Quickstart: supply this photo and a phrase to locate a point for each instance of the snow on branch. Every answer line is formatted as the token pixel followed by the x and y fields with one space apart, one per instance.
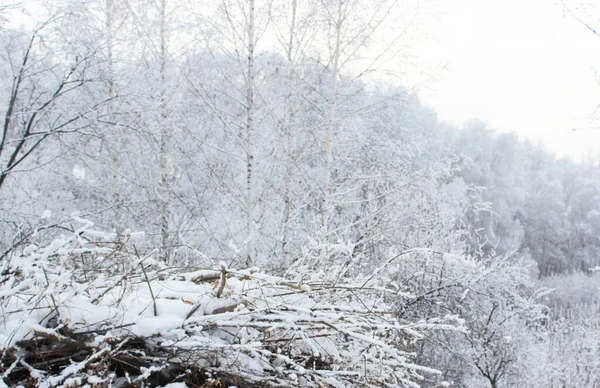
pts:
pixel 89 309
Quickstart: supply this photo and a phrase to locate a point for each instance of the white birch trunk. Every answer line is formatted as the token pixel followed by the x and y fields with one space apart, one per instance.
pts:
pixel 116 167
pixel 164 190
pixel 249 137
pixel 330 126
pixel 291 142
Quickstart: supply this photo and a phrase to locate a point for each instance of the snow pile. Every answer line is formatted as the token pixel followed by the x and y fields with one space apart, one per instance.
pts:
pixel 88 309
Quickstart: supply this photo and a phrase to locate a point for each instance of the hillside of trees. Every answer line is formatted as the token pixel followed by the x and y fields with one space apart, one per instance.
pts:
pixel 220 195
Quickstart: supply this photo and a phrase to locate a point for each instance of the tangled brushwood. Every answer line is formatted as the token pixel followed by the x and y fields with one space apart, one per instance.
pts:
pixel 90 310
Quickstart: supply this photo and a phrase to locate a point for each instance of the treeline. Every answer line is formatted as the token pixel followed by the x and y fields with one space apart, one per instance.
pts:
pixel 530 202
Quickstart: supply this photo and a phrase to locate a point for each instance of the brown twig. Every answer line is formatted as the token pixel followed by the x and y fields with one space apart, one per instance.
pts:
pixel 147 282
pixel 222 281
pixel 63 340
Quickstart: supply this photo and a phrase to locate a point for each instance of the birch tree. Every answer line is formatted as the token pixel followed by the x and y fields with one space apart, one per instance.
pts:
pixel 289 109
pixel 164 190
pixel 350 28
pixel 338 17
pixel 110 80
pixel 156 101
pixel 294 27
pixel 250 135
pixel 232 33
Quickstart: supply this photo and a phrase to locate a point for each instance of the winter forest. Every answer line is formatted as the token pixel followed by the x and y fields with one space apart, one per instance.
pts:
pixel 242 193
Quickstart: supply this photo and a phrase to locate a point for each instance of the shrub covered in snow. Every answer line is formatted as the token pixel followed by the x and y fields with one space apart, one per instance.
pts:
pixel 88 309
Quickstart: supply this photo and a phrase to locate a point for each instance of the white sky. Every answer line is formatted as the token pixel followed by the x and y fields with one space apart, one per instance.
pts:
pixel 518 65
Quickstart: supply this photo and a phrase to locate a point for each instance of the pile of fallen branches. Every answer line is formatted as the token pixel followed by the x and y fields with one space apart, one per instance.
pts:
pixel 69 359
pixel 89 309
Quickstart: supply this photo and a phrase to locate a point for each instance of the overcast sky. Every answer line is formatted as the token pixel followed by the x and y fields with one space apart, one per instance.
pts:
pixel 519 65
